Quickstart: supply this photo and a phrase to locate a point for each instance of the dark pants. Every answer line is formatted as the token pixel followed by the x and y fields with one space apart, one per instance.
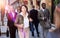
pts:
pixel 36 26
pixel 32 28
pixel 12 29
pixel 12 32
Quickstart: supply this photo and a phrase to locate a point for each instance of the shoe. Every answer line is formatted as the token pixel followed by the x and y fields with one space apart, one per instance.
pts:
pixel 38 35
pixel 33 35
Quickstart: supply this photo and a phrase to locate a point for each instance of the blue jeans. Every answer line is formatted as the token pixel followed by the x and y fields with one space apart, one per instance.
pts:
pixel 31 27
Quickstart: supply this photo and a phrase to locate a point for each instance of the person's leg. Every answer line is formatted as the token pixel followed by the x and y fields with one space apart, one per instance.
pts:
pixel 10 29
pixel 12 32
pixel 45 30
pixel 20 33
pixel 36 26
pixel 45 33
pixel 32 28
pixel 41 32
pixel 27 33
pixel 7 33
pixel 42 23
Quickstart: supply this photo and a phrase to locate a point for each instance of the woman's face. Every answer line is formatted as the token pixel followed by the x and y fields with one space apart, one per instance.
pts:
pixel 23 9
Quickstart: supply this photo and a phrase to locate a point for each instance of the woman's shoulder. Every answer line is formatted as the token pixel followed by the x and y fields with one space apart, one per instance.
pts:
pixel 18 14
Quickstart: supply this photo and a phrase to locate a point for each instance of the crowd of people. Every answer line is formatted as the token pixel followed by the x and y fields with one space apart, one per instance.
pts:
pixel 24 21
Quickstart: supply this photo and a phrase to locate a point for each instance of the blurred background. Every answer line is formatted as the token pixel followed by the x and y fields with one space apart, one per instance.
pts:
pixel 4 4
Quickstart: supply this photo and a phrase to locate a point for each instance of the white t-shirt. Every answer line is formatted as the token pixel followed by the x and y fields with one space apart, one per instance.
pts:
pixel 26 20
pixel 42 9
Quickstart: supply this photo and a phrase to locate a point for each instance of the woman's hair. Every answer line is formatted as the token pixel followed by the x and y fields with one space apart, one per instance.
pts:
pixel 25 7
pixel 18 9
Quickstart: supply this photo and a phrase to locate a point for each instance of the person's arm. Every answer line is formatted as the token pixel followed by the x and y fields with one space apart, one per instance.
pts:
pixel 29 17
pixel 16 23
pixel 30 20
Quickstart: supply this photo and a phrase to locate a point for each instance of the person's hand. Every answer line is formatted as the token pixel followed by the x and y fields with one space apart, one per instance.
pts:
pixel 51 30
pixel 30 20
pixel 43 18
pixel 20 26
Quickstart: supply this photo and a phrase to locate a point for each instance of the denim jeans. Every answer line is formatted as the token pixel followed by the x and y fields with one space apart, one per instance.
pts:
pixel 31 27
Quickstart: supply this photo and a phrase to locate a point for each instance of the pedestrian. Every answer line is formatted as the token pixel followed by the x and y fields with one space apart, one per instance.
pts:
pixel 44 17
pixel 23 26
pixel 34 20
pixel 11 16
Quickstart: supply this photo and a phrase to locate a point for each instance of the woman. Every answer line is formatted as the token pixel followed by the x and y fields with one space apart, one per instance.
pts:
pixel 55 33
pixel 23 28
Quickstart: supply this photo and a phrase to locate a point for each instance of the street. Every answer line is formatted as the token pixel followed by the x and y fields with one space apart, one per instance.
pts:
pixel 35 35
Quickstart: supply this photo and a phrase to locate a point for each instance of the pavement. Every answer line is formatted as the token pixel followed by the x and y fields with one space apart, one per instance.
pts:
pixel 35 34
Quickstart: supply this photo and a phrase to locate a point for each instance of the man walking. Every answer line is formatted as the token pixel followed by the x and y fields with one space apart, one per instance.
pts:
pixel 44 16
pixel 34 18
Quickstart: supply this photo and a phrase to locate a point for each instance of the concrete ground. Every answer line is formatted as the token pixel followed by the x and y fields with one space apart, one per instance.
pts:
pixel 4 35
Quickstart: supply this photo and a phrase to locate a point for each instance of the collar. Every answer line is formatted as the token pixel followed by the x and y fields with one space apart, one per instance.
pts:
pixel 22 14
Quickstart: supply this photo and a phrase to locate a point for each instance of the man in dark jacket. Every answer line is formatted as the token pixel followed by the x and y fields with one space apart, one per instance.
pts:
pixel 11 19
pixel 34 18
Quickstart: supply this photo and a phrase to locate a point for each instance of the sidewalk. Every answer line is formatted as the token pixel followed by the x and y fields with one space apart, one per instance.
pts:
pixel 4 35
